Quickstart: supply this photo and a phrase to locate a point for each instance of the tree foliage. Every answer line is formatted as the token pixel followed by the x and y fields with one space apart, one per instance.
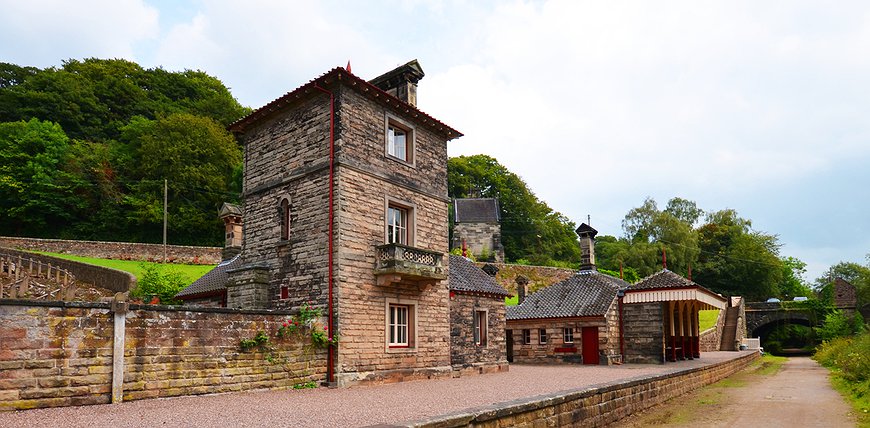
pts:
pixel 85 149
pixel 530 229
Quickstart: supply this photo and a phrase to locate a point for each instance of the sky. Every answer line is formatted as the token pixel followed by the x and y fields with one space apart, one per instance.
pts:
pixel 756 106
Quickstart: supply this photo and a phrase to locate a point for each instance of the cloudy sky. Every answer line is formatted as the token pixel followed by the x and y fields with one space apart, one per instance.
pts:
pixel 757 106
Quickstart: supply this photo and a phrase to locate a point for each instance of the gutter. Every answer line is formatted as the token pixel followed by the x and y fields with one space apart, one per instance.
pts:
pixel 330 359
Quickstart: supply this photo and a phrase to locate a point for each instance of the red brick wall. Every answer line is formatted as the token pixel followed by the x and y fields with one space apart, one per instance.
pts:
pixel 61 354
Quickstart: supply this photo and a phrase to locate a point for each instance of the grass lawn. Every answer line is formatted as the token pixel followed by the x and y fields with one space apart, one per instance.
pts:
pixel 707 319
pixel 190 272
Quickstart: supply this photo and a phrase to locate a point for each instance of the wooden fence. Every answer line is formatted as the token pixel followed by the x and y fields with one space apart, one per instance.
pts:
pixel 25 274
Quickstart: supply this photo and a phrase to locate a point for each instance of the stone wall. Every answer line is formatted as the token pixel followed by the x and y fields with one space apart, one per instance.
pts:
pixel 118 250
pixel 593 407
pixel 464 354
pixel 108 278
pixel 60 354
pixel 479 238
pixel 712 337
pixel 644 332
pixel 555 349
pixel 539 276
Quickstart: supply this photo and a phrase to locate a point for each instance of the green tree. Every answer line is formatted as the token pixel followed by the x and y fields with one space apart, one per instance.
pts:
pixel 793 283
pixel 530 229
pixel 854 273
pixel 35 193
pixel 735 260
pixel 650 231
pixel 197 156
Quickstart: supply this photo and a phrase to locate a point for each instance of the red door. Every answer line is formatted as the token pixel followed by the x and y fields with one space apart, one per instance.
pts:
pixel 590 345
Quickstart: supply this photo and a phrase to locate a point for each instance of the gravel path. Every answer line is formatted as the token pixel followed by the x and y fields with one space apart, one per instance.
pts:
pixel 345 407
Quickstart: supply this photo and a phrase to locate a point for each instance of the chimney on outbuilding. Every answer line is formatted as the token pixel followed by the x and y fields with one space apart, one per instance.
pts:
pixel 233 225
pixel 522 288
pixel 401 82
pixel 587 246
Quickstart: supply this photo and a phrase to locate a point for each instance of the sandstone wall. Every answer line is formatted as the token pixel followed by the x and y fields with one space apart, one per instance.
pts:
pixel 712 337
pixel 554 350
pixel 118 250
pixel 60 354
pixel 644 332
pixel 464 353
pixel 479 238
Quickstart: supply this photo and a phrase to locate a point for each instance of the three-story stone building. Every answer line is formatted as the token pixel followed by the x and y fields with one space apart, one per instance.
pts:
pixel 345 206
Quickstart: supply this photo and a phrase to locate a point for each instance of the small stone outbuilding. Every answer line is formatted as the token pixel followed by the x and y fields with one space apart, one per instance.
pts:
pixel 477 319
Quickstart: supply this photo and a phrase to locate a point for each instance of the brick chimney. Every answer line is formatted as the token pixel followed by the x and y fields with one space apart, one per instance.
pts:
pixel 233 225
pixel 522 288
pixel 401 82
pixel 587 246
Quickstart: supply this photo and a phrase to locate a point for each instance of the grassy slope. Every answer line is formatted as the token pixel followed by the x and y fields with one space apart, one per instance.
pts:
pixel 190 272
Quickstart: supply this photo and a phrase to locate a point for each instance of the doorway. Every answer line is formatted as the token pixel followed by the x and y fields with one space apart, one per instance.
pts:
pixel 590 345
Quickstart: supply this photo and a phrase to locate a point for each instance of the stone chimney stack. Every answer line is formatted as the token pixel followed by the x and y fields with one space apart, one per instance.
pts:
pixel 522 288
pixel 401 82
pixel 232 216
pixel 587 246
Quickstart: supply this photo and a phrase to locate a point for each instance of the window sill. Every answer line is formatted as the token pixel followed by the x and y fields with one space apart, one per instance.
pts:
pixel 401 349
pixel 400 160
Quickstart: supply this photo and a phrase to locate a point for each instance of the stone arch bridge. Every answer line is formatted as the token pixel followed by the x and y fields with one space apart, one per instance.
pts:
pixel 761 317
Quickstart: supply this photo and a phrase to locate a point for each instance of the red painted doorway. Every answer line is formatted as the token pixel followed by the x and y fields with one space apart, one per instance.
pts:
pixel 590 345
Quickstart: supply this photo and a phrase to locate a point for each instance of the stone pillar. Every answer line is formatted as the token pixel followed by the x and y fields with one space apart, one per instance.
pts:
pixel 248 288
pixel 522 288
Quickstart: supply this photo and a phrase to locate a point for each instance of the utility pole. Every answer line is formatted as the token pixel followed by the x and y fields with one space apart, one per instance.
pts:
pixel 165 210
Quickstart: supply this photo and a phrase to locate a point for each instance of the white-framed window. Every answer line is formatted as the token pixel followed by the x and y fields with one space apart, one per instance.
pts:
pixel 400 325
pixel 399 330
pixel 399 140
pixel 284 212
pixel 480 328
pixel 568 335
pixel 527 336
pixel 397 224
pixel 542 336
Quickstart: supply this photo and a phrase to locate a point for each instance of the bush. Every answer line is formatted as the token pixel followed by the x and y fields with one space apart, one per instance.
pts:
pixel 837 324
pixel 163 282
pixel 850 355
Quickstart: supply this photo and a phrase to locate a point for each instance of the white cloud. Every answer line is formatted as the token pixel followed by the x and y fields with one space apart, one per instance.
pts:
pixel 43 33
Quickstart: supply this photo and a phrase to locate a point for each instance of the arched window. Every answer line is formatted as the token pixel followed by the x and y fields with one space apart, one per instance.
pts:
pixel 285 219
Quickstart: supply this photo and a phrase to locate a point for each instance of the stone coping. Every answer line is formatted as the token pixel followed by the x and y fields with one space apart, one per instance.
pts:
pixel 165 308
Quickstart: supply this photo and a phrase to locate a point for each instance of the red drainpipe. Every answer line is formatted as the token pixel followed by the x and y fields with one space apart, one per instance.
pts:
pixel 330 355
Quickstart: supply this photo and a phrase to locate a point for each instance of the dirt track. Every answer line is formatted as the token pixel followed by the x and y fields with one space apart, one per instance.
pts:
pixel 799 395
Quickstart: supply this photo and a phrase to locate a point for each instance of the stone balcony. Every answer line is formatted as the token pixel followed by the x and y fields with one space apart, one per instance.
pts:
pixel 400 263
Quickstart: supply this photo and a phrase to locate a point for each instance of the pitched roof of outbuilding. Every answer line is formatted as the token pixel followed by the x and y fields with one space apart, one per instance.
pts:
pixel 588 293
pixel 476 210
pixel 665 279
pixel 215 280
pixel 466 277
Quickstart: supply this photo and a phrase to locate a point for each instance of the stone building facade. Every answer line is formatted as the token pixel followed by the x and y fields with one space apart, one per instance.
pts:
pixel 477 319
pixel 845 295
pixel 477 228
pixel 345 208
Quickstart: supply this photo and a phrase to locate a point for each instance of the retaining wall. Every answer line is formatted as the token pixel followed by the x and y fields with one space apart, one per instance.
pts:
pixel 61 354
pixel 108 278
pixel 711 338
pixel 118 250
pixel 594 407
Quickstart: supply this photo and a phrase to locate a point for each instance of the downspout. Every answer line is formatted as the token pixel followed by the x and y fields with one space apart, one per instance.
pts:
pixel 330 353
pixel 620 294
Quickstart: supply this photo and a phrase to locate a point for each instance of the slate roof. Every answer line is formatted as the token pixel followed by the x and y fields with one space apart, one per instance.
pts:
pixel 587 293
pixel 665 279
pixel 215 280
pixel 465 276
pixel 340 74
pixel 476 210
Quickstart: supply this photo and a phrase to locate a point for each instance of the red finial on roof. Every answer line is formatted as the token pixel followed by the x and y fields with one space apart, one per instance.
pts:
pixel 664 258
pixel 621 275
pixel 464 249
pixel 348 66
pixel 690 271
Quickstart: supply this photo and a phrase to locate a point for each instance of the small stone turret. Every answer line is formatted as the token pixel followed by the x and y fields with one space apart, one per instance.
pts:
pixel 401 82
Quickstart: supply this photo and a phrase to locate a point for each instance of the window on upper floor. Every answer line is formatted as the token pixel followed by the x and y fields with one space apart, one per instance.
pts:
pixel 399 224
pixel 400 140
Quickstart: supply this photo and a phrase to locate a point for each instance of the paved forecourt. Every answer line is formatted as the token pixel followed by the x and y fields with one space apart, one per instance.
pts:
pixel 356 406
